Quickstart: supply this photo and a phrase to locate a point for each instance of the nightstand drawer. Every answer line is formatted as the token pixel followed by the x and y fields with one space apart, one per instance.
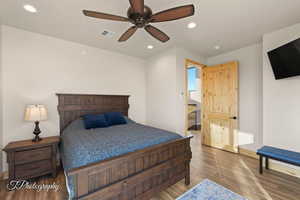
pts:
pixel 32 169
pixel 32 155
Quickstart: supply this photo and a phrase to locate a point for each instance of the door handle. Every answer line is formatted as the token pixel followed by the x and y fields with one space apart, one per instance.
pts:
pixel 235 118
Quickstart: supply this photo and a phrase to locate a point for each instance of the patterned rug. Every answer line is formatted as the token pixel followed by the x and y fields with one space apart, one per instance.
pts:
pixel 209 190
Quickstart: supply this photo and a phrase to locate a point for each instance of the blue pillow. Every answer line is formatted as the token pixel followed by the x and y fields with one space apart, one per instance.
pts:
pixel 115 118
pixel 94 121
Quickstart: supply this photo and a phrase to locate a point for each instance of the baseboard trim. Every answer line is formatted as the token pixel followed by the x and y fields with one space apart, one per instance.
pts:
pixel 248 153
pixel 276 166
pixel 280 167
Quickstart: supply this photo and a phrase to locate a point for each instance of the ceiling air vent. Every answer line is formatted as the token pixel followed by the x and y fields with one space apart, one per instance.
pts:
pixel 107 33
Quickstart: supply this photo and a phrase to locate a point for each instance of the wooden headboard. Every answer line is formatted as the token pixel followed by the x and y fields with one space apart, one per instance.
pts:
pixel 73 106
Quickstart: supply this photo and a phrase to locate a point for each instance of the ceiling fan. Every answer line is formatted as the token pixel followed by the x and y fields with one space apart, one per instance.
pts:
pixel 141 16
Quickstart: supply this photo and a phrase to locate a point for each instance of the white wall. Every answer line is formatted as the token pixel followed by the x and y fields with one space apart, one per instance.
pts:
pixel 35 67
pixel 1 124
pixel 161 90
pixel 250 92
pixel 281 103
pixel 165 89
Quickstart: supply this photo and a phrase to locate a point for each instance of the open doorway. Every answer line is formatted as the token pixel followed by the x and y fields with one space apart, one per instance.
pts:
pixel 193 96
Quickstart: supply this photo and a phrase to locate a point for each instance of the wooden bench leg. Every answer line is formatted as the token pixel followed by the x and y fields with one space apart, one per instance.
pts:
pixel 267 163
pixel 260 164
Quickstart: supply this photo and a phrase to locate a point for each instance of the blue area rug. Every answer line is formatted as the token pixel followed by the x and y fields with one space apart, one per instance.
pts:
pixel 209 190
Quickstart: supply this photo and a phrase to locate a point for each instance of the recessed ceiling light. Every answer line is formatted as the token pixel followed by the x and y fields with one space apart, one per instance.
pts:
pixel 217 47
pixel 150 47
pixel 30 8
pixel 192 25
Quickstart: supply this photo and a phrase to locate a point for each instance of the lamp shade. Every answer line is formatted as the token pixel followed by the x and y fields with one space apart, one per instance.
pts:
pixel 35 113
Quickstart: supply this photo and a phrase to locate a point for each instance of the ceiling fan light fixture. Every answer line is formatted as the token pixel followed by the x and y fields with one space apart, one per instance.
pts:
pixel 30 8
pixel 192 25
pixel 150 46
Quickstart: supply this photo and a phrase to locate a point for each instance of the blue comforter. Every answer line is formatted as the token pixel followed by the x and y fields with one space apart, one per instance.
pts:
pixel 80 147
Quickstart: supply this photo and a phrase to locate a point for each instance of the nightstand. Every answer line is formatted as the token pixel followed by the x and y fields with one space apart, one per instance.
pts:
pixel 27 159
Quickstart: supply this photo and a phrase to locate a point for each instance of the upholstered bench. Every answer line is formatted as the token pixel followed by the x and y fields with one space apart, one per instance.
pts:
pixel 273 153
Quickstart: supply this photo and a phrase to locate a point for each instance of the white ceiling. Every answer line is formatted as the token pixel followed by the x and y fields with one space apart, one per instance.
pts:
pixel 231 24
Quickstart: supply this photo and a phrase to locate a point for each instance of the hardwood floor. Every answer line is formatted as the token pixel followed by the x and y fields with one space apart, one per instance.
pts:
pixel 235 172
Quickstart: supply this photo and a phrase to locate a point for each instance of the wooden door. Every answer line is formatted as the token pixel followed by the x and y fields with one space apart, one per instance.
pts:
pixel 220 106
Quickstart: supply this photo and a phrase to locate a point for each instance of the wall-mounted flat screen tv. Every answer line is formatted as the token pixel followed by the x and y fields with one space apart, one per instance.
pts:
pixel 285 60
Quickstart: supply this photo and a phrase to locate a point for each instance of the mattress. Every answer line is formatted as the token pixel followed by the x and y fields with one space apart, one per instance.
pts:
pixel 80 147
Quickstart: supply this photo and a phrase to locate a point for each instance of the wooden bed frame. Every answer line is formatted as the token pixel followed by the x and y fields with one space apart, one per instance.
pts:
pixel 138 175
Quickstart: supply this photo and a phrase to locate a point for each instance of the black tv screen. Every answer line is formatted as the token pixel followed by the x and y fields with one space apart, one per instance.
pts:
pixel 285 60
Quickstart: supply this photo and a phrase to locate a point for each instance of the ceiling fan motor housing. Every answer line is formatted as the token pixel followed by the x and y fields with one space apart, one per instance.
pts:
pixel 140 20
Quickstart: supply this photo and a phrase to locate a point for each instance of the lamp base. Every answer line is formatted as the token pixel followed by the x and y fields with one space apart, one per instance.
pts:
pixel 36 132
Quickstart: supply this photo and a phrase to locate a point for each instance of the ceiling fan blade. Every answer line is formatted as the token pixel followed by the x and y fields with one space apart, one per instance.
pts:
pixel 158 34
pixel 137 6
pixel 104 16
pixel 173 14
pixel 128 34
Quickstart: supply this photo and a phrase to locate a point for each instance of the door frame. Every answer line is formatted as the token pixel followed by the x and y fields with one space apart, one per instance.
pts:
pixel 189 62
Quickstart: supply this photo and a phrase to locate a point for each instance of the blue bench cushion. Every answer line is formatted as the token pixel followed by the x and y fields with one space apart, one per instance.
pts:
pixel 280 154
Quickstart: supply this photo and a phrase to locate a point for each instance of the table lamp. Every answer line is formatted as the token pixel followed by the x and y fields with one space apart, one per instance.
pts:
pixel 36 113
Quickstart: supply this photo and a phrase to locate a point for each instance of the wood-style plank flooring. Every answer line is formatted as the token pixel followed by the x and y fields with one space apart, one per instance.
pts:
pixel 236 172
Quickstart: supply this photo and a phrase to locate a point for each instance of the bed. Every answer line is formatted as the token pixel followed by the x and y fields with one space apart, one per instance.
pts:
pixel 98 165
